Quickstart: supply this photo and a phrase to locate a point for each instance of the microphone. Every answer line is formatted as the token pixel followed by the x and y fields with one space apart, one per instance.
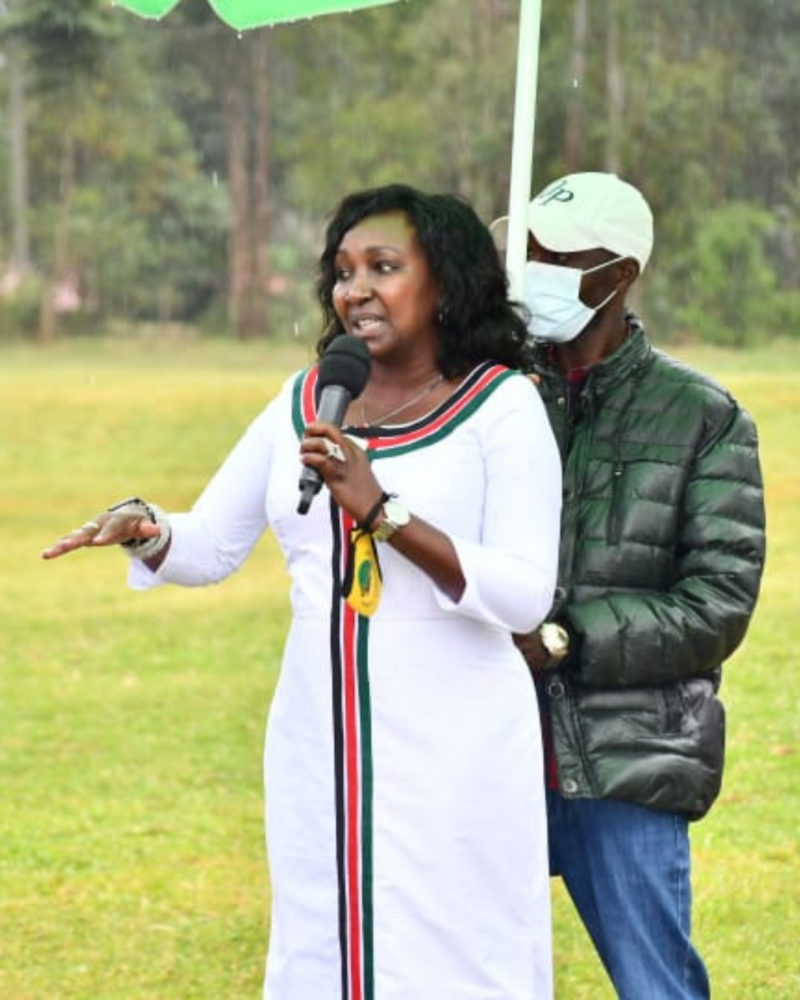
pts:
pixel 343 373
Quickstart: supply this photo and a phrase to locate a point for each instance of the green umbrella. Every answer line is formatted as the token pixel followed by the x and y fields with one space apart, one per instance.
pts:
pixel 242 14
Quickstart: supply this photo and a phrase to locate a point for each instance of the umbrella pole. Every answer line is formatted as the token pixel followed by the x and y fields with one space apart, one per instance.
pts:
pixel 530 17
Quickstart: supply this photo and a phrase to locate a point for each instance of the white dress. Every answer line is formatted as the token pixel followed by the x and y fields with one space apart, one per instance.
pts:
pixel 404 785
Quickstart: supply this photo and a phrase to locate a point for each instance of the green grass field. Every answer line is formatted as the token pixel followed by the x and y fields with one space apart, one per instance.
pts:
pixel 131 726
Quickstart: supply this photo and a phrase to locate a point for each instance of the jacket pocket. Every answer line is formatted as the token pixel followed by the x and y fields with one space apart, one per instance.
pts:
pixel 661 747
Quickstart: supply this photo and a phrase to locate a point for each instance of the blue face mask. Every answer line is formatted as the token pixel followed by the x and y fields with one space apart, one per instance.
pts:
pixel 552 294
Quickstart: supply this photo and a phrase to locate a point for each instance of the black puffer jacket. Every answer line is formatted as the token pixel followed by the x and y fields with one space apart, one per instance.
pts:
pixel 662 548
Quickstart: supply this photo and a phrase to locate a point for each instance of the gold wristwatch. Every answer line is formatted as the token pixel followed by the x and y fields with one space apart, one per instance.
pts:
pixel 555 640
pixel 395 515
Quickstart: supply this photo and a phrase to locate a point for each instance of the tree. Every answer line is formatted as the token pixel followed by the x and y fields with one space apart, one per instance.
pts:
pixel 66 42
pixel 18 172
pixel 223 94
pixel 573 128
pixel 248 161
pixel 121 215
pixel 732 283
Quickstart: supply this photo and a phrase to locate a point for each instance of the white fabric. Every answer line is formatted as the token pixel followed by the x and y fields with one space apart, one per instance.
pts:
pixel 461 895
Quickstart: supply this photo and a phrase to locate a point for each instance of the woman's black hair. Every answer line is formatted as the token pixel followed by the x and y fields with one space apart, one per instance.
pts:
pixel 476 321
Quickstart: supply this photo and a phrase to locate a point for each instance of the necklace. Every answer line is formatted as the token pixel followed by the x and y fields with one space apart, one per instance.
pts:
pixel 426 389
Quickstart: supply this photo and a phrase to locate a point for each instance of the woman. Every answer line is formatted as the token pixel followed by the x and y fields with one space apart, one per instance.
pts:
pixel 405 815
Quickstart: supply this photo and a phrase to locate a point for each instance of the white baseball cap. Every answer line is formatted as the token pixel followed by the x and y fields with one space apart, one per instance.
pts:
pixel 589 210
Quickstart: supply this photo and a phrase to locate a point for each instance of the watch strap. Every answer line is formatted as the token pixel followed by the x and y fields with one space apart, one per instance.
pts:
pixel 375 509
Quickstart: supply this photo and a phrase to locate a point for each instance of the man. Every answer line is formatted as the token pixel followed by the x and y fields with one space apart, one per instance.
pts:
pixel 662 548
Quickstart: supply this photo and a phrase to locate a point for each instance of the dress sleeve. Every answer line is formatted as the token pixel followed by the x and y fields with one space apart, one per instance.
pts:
pixel 213 539
pixel 511 572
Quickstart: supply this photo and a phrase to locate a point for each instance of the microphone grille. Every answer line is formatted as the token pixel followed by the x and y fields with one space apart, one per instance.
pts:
pixel 346 362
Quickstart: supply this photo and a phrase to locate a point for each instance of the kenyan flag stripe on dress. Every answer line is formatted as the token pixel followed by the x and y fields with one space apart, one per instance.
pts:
pixel 353 767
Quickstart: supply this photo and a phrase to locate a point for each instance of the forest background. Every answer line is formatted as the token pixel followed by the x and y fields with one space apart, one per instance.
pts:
pixel 180 173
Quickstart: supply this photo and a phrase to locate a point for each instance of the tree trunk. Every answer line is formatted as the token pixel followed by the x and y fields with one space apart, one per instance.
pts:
pixel 48 312
pixel 614 90
pixel 18 173
pixel 239 238
pixel 248 151
pixel 260 266
pixel 573 133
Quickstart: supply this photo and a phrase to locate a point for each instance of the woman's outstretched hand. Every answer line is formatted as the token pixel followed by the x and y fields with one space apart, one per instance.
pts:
pixel 107 528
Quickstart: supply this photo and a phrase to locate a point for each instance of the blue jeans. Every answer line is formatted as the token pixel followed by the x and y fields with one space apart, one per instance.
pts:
pixel 627 870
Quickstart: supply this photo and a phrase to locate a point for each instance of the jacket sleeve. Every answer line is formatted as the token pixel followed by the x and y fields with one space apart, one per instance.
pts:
pixel 688 628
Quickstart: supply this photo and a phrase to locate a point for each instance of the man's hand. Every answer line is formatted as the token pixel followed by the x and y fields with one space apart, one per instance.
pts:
pixel 530 645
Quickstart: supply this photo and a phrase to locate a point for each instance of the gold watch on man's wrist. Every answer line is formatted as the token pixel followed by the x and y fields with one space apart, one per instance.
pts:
pixel 555 640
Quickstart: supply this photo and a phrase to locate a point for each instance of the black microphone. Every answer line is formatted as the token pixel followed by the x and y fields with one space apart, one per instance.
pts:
pixel 343 373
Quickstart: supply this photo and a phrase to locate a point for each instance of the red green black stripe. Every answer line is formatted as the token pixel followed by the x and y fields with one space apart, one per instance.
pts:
pixel 353 769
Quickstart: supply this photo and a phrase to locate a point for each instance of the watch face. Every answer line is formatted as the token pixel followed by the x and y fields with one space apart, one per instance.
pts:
pixel 396 512
pixel 395 515
pixel 555 639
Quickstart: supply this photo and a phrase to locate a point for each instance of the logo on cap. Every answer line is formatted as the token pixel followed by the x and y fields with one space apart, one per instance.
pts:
pixel 556 192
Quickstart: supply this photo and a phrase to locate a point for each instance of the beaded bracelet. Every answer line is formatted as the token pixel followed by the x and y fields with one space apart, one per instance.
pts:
pixel 375 509
pixel 144 548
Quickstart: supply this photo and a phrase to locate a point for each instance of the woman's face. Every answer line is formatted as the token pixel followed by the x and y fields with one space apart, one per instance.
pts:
pixel 384 291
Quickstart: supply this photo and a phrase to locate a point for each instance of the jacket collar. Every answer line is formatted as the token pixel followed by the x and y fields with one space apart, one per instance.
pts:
pixel 627 361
